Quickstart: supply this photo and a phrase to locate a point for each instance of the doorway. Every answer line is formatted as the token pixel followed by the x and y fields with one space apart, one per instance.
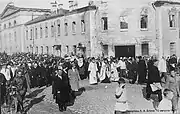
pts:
pixel 125 51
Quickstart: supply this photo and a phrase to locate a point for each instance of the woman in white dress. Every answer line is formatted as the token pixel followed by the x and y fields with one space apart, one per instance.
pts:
pixel 93 72
pixel 114 72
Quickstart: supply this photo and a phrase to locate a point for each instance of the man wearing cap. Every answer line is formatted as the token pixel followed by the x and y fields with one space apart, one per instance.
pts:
pixel 20 83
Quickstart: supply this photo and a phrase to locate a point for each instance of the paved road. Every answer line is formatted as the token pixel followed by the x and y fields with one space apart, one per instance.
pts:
pixel 97 99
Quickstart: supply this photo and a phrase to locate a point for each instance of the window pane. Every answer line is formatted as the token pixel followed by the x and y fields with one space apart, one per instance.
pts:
pixel 82 26
pixel 144 21
pixel 105 23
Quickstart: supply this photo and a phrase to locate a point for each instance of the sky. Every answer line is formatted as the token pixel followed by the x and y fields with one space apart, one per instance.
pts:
pixel 38 3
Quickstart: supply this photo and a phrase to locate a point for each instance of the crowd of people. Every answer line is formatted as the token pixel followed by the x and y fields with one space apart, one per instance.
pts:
pixel 26 71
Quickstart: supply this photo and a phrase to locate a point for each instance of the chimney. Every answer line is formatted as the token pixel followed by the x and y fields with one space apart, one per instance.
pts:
pixel 60 6
pixel 75 4
pixel 54 7
pixel 71 5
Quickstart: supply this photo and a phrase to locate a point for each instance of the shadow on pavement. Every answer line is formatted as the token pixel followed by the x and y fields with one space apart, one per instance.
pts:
pixel 74 94
pixel 33 102
pixel 35 93
pixel 144 92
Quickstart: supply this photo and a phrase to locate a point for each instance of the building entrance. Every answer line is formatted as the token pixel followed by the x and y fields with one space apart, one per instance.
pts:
pixel 125 51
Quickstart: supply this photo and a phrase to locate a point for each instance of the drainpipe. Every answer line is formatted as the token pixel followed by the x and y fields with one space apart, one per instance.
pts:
pixel 158 12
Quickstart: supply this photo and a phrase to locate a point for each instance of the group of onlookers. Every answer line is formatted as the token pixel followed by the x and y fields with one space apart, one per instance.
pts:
pixel 65 73
pixel 162 79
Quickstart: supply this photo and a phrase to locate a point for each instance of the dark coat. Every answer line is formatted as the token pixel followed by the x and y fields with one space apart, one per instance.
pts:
pixel 62 89
pixel 3 87
pixel 154 75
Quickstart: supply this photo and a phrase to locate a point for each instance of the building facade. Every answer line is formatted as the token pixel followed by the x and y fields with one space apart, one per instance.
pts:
pixel 102 28
pixel 62 32
pixel 12 26
pixel 144 28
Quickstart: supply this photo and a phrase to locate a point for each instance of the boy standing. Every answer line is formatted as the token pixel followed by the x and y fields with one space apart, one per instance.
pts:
pixel 121 106
pixel 172 84
pixel 166 105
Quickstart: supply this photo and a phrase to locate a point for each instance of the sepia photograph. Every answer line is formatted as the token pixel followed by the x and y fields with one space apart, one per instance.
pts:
pixel 89 56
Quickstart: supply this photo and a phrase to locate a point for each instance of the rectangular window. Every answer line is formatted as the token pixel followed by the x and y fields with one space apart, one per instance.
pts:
pixel 36 33
pixel 66 29
pixel 31 35
pixel 73 27
pixel 41 32
pixel 123 23
pixel 82 26
pixel 172 48
pixel 145 49
pixel 144 21
pixel 172 22
pixel 104 22
pixel 26 34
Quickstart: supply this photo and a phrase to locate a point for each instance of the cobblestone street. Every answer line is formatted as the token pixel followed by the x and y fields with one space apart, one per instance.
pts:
pixel 97 99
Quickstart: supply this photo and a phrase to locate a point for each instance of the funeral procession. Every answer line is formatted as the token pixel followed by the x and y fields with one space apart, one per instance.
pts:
pixel 89 56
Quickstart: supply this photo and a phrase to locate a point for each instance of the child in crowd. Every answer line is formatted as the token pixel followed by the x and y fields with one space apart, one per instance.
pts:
pixel 172 84
pixel 121 106
pixel 165 106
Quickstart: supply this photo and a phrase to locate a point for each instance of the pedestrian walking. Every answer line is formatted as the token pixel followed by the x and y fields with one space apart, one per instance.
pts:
pixel 62 90
pixel 93 71
pixel 74 77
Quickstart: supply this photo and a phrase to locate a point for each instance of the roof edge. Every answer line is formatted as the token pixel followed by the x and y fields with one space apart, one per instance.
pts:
pixel 162 2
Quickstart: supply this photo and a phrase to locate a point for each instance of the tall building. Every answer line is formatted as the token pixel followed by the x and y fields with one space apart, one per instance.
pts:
pixel 12 26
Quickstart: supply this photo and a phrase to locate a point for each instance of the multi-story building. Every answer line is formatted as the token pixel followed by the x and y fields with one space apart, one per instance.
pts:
pixel 144 27
pixel 62 32
pixel 12 26
pixel 109 28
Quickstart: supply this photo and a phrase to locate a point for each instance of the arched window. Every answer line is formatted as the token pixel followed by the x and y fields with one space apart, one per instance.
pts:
pixel 4 26
pixel 47 49
pixel 41 49
pixel 46 30
pixel 14 22
pixel 66 28
pixel 36 49
pixel 9 24
pixel 82 26
pixel 73 27
pixel 59 27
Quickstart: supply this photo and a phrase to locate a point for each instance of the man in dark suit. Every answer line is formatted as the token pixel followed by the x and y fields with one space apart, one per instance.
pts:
pixel 153 77
pixel 142 71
